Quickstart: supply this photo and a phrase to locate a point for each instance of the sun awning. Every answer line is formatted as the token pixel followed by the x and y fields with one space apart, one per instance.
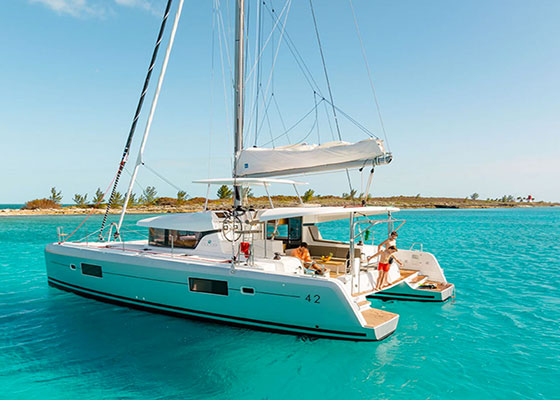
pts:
pixel 248 181
pixel 322 214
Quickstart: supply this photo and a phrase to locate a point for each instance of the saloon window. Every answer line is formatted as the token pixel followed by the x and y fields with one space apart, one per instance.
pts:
pixel 287 229
pixel 175 238
pixel 208 286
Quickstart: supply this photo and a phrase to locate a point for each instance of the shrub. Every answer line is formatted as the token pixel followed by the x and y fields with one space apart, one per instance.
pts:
pixel 40 204
pixel 166 201
pixel 181 196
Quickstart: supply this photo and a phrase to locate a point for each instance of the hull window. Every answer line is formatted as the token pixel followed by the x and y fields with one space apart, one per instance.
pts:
pixel 92 270
pixel 247 290
pixel 208 286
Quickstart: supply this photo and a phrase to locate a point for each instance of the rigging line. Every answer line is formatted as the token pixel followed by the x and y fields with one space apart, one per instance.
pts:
pixel 317 118
pixel 266 104
pixel 136 181
pixel 128 143
pixel 311 129
pixel 91 212
pixel 212 77
pixel 259 68
pixel 370 76
pixel 296 124
pixel 268 121
pixel 275 57
pixel 298 58
pixel 163 178
pixel 224 80
pixel 328 83
pixel 280 115
pixel 224 40
pixel 152 110
pixel 325 69
pixel 257 60
pixel 360 126
pixel 329 120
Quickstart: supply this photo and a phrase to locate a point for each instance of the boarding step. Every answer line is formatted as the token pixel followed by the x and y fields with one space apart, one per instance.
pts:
pixel 417 281
pixel 375 317
pixel 364 305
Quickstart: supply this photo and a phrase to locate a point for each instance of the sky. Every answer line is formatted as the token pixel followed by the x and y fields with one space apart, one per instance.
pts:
pixel 469 93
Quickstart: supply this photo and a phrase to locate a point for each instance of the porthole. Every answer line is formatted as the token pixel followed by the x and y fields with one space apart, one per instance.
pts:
pixel 72 267
pixel 247 290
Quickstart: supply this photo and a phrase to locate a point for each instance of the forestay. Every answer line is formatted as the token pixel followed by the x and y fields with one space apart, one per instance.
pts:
pixel 303 158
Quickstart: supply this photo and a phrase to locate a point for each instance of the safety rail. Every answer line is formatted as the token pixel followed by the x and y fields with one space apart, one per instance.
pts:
pixel 414 244
pixel 62 236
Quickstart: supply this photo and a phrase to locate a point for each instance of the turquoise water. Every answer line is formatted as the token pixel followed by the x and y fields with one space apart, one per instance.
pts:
pixel 498 339
pixel 11 206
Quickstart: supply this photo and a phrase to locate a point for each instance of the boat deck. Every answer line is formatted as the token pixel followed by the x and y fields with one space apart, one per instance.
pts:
pixel 439 286
pixel 375 317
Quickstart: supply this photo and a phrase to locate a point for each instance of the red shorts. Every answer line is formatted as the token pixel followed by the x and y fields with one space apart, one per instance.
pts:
pixel 383 267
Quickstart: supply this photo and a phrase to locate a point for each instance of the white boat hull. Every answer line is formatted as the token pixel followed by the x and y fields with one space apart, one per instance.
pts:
pixel 289 303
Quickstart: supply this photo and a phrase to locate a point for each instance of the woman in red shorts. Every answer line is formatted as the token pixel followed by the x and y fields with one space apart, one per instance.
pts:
pixel 386 258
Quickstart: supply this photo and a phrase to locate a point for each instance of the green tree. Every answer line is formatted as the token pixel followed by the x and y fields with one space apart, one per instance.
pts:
pixel 181 196
pixel 80 200
pixel 248 193
pixel 98 198
pixel 56 197
pixel 308 195
pixel 132 200
pixel 474 196
pixel 118 199
pixel 350 196
pixel 149 195
pixel 224 192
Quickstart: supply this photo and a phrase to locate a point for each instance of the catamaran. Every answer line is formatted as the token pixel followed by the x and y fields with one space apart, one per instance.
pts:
pixel 236 265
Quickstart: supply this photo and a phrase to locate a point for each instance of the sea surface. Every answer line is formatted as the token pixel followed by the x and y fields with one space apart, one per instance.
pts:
pixel 499 338
pixel 10 206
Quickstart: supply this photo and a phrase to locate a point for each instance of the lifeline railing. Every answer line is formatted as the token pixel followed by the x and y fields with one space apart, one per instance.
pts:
pixel 353 236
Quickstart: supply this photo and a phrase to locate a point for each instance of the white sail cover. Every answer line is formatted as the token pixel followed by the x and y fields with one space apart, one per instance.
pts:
pixel 303 158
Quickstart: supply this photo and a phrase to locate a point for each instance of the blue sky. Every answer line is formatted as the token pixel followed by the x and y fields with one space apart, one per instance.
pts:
pixel 469 93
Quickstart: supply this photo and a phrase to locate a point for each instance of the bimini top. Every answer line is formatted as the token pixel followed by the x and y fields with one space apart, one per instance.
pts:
pixel 249 181
pixel 322 214
pixel 195 222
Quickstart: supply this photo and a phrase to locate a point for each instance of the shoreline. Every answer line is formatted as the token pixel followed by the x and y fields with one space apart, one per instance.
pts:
pixel 284 201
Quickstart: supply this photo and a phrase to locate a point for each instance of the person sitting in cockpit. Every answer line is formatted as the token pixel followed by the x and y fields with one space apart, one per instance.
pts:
pixel 303 254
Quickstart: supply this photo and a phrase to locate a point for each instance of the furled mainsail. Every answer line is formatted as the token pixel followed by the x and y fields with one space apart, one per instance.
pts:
pixel 304 158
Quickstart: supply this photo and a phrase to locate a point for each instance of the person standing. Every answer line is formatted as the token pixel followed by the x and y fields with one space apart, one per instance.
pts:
pixel 390 241
pixel 386 258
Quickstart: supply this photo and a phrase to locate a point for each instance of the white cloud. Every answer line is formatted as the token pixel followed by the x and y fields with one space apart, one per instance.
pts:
pixel 75 8
pixel 97 8
pixel 144 4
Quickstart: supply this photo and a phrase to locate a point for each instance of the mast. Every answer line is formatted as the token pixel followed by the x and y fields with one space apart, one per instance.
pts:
pixel 239 92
